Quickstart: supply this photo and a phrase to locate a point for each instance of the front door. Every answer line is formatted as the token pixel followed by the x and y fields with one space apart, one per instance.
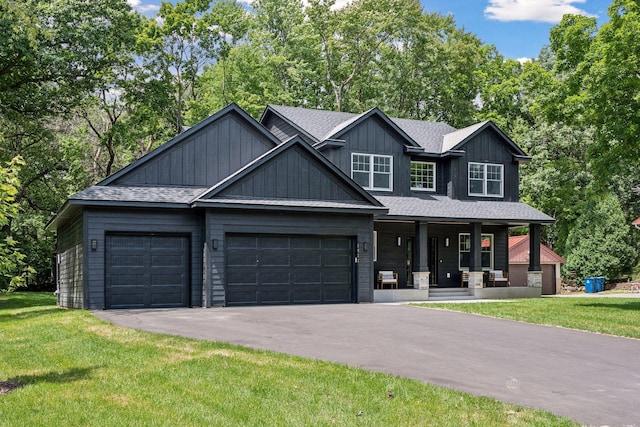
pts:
pixel 433 260
pixel 409 261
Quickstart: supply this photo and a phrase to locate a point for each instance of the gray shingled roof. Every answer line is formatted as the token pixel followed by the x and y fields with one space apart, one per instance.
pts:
pixel 322 125
pixel 444 208
pixel 429 135
pixel 452 139
pixel 318 123
pixel 144 194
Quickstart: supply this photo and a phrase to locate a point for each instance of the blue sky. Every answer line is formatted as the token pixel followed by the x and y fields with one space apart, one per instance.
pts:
pixel 518 28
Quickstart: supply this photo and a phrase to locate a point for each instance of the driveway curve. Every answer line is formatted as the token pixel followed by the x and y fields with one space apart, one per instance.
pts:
pixel 591 378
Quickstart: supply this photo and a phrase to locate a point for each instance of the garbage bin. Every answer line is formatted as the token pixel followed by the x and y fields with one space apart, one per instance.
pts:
pixel 600 284
pixel 590 285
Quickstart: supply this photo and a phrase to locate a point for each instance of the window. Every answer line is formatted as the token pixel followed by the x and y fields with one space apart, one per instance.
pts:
pixel 485 180
pixel 372 172
pixel 486 251
pixel 423 176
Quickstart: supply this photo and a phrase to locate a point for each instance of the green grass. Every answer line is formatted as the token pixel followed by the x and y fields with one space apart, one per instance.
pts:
pixel 79 371
pixel 614 316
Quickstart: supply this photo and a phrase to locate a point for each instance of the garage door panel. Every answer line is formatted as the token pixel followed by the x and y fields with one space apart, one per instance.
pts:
pixel 274 258
pixel 144 271
pixel 289 269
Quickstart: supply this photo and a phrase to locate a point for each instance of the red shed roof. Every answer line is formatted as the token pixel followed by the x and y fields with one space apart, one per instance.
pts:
pixel 519 252
pixel 636 222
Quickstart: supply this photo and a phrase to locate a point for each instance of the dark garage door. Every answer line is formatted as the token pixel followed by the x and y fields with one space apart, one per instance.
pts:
pixel 266 269
pixel 144 271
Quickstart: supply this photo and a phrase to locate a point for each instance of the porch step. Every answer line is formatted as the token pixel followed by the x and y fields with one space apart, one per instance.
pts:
pixel 449 294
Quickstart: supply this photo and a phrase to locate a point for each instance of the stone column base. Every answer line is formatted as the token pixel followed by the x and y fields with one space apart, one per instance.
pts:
pixel 421 279
pixel 534 279
pixel 476 279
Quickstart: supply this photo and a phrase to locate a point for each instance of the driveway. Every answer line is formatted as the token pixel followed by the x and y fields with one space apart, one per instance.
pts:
pixel 591 378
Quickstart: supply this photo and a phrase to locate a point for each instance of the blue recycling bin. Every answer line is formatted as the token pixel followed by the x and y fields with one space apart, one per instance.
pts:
pixel 590 285
pixel 600 284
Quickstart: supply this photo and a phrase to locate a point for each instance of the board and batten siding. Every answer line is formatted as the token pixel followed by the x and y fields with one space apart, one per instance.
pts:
pixel 373 136
pixel 221 222
pixel 293 175
pixel 102 221
pixel 70 264
pixel 486 147
pixel 204 158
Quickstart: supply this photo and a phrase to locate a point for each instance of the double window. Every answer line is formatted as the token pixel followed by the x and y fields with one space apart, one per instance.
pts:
pixel 486 251
pixel 485 180
pixel 423 176
pixel 372 172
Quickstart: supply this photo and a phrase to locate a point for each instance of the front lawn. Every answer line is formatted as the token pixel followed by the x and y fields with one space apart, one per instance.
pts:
pixel 614 316
pixel 78 370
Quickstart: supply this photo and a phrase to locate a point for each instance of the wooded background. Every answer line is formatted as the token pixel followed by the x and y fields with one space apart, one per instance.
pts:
pixel 88 86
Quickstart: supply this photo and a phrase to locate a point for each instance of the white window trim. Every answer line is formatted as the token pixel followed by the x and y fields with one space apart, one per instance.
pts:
pixel 484 181
pixel 492 251
pixel 371 170
pixel 434 177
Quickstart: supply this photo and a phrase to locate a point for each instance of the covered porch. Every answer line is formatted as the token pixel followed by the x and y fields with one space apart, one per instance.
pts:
pixel 433 255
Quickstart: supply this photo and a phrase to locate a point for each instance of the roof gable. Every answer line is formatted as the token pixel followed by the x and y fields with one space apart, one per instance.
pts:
pixel 292 171
pixel 202 155
pixel 321 126
pixel 456 140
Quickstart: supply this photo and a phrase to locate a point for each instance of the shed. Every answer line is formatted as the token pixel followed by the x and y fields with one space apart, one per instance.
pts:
pixel 519 264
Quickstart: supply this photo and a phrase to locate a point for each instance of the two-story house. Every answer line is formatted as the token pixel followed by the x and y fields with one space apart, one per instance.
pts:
pixel 305 206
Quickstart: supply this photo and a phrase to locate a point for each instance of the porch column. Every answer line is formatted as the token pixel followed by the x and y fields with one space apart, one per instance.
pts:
pixel 476 276
pixel 421 259
pixel 534 275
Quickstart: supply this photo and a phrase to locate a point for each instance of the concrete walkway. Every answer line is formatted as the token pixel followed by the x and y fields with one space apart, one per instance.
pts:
pixel 591 378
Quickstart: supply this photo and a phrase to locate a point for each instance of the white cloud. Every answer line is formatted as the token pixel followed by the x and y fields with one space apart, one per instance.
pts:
pixel 523 60
pixel 550 11
pixel 339 4
pixel 145 9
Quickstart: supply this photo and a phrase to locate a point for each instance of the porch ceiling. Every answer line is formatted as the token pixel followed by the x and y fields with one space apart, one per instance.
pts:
pixel 444 209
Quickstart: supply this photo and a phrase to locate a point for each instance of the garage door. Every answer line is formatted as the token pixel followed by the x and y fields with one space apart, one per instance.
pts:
pixel 145 271
pixel 265 269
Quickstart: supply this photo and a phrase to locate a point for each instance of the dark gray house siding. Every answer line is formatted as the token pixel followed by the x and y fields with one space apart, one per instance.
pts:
pixel 486 147
pixel 444 266
pixel 220 223
pixel 372 136
pixel 105 221
pixel 69 261
pixel 292 175
pixel 205 157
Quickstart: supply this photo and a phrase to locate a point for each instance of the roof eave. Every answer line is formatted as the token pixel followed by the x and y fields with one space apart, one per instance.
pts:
pixel 220 204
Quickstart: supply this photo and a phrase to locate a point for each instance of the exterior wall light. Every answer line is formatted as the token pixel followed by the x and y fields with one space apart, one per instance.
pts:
pixel 94 244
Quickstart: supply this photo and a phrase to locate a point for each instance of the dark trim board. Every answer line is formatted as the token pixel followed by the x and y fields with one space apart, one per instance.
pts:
pixel 147 270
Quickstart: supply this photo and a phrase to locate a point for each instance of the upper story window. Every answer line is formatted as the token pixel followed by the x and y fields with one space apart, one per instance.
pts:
pixel 372 172
pixel 485 179
pixel 423 176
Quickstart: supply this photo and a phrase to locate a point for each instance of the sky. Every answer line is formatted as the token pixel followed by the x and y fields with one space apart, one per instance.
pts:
pixel 518 28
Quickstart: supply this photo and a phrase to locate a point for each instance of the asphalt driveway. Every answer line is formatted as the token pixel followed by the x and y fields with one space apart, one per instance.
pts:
pixel 591 378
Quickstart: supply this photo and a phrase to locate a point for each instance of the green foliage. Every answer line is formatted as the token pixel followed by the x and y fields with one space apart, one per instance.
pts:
pixel 599 244
pixel 12 262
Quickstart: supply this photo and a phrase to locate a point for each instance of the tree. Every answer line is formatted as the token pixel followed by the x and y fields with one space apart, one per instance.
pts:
pixel 612 91
pixel 12 266
pixel 599 244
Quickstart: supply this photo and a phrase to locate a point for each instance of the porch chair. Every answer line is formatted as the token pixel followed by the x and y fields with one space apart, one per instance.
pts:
pixel 387 278
pixel 498 276
pixel 464 278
